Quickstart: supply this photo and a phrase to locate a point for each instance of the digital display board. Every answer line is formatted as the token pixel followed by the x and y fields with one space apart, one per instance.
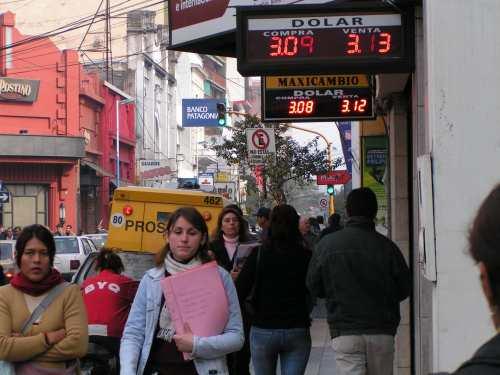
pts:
pixel 317 98
pixel 305 40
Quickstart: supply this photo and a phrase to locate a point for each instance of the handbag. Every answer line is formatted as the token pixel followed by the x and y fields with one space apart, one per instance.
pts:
pixel 251 300
pixel 9 368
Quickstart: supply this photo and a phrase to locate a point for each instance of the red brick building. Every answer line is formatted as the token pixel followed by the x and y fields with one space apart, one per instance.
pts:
pixel 56 130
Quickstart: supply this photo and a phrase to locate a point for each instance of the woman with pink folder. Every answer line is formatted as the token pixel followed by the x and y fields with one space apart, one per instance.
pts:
pixel 150 342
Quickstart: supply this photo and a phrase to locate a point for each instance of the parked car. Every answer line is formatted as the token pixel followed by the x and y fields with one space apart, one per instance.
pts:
pixel 8 258
pixel 99 239
pixel 71 251
pixel 135 263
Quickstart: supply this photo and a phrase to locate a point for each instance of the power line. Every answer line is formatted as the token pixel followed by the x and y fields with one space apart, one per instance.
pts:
pixel 53 66
pixel 74 26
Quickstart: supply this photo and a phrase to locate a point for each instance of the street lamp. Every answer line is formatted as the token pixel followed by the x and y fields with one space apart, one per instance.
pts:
pixel 62 213
pixel 118 103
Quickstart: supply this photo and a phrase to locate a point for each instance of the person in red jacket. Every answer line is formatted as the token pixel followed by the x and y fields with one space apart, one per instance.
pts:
pixel 108 297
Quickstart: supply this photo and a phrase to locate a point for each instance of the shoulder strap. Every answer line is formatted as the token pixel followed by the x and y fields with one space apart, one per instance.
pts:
pixel 54 292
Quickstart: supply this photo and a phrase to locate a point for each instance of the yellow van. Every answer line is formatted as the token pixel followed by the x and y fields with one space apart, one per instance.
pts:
pixel 139 215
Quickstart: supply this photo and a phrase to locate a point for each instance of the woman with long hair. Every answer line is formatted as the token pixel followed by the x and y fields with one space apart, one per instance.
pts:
pixel 150 343
pixel 277 272
pixel 58 337
pixel 229 233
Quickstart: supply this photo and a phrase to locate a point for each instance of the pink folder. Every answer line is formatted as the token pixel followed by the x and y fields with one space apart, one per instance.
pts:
pixel 197 297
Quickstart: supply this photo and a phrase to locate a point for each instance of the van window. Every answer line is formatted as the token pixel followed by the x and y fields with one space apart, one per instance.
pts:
pixel 6 250
pixel 66 245
pixel 163 216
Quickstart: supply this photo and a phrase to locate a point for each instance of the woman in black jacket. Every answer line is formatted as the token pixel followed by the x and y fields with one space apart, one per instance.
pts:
pixel 484 247
pixel 232 230
pixel 280 326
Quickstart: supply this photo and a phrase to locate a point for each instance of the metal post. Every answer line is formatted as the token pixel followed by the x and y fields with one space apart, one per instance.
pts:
pixel 117 143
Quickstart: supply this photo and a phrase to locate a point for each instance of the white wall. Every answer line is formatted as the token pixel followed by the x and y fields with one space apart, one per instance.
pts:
pixel 235 84
pixel 189 86
pixel 356 153
pixel 462 111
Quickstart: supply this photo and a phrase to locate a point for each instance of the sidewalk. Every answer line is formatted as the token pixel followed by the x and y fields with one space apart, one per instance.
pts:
pixel 321 361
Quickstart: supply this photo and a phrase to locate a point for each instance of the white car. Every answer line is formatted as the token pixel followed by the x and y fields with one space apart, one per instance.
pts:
pixel 8 258
pixel 71 251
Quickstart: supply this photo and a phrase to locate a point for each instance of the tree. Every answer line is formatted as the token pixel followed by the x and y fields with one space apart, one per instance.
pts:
pixel 293 162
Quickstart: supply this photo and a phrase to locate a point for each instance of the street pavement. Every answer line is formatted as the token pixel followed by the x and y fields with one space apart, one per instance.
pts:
pixel 322 359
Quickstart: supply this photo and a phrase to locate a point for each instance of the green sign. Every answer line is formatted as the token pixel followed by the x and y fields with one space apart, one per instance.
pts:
pixel 375 154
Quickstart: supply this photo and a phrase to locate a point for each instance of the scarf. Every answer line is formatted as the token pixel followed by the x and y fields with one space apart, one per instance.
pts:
pixel 231 244
pixel 167 330
pixel 25 285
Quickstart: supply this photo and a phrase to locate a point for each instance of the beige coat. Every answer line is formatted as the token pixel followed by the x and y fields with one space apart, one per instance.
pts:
pixel 66 311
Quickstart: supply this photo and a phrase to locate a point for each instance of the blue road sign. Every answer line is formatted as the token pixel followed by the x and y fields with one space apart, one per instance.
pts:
pixel 200 112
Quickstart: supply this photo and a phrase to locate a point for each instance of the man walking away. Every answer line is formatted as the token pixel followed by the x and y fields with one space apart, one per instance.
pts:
pixel 333 225
pixel 363 276
pixel 262 215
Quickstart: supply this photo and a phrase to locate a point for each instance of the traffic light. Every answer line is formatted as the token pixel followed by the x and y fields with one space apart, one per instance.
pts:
pixel 329 189
pixel 221 114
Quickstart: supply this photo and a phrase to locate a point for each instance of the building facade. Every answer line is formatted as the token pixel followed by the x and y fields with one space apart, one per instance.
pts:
pixel 40 140
pixel 57 136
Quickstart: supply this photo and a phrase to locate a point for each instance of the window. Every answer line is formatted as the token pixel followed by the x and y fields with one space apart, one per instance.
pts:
pixel 66 245
pixel 6 251
pixel 86 247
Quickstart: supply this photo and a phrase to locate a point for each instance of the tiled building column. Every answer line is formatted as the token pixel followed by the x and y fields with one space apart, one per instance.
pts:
pixel 400 223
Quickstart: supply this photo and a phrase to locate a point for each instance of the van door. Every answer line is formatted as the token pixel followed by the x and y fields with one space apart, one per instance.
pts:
pixel 125 231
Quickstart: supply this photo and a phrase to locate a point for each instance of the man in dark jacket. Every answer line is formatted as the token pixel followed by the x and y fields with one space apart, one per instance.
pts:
pixel 363 277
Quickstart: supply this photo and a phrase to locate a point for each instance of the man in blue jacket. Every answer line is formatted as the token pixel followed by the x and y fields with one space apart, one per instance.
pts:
pixel 363 277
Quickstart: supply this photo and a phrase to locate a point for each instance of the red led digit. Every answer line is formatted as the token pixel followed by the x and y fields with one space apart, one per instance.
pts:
pixel 353 44
pixel 384 43
pixel 292 107
pixel 307 42
pixel 300 106
pixel 361 105
pixel 291 46
pixel 309 106
pixel 276 47
pixel 345 106
pixel 372 43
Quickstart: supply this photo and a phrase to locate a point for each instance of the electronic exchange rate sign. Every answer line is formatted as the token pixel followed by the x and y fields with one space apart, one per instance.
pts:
pixel 305 40
pixel 317 98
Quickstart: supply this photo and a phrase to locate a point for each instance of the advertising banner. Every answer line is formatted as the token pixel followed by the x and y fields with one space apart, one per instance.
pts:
pixel 152 170
pixel 191 20
pixel 227 190
pixel 344 128
pixel 374 151
pixel 206 181
pixel 200 112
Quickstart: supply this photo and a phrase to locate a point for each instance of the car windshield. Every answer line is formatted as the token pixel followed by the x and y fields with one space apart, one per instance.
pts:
pixel 6 251
pixel 98 241
pixel 66 245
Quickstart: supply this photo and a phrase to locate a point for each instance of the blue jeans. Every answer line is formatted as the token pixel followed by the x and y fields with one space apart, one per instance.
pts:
pixel 293 347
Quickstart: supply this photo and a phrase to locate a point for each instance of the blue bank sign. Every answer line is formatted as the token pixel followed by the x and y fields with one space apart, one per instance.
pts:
pixel 200 112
